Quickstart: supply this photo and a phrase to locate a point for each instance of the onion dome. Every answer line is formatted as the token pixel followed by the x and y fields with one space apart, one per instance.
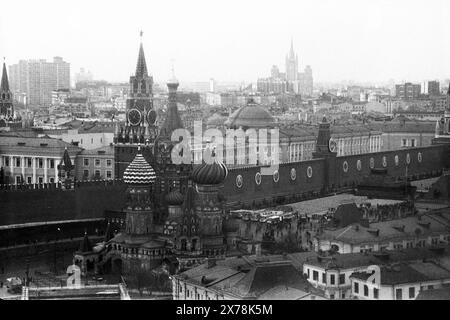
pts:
pixel 139 171
pixel 214 173
pixel 174 198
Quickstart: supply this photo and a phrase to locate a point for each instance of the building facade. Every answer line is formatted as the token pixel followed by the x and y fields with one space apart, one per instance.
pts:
pixel 407 91
pixel 33 160
pixel 402 281
pixel 350 276
pixel 434 88
pixel 95 164
pixel 423 231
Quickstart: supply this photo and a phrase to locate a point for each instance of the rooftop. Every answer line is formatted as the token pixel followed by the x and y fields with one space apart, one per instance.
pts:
pixel 321 205
pixel 106 150
pixel 435 294
pixel 406 126
pixel 356 260
pixel 251 116
pixel 25 145
pixel 399 229
pixel 402 273
pixel 254 276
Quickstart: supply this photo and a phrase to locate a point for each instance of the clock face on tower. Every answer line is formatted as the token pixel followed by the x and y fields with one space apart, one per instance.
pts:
pixel 151 117
pixel 134 116
pixel 332 145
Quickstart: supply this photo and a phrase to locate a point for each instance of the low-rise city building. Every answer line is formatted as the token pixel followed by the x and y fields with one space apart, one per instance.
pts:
pixel 87 135
pixel 336 275
pixel 33 160
pixel 402 281
pixel 244 278
pixel 424 230
pixel 94 164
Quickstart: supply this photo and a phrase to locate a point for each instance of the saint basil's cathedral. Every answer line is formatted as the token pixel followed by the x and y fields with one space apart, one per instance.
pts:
pixel 171 210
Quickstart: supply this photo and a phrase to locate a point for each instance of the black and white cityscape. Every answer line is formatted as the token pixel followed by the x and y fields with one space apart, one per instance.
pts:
pixel 225 150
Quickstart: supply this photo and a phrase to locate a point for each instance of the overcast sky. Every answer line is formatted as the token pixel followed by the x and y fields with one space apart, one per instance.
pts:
pixel 234 40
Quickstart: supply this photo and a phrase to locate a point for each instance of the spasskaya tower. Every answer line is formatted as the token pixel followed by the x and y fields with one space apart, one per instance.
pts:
pixel 140 126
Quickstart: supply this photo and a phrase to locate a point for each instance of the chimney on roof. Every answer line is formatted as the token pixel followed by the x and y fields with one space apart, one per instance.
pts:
pixel 375 232
pixel 258 250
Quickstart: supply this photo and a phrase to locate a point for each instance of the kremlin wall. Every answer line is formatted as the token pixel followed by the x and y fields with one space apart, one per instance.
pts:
pixel 91 200
pixel 424 162
pixel 87 200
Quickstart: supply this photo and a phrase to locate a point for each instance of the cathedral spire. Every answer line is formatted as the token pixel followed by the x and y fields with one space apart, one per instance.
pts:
pixel 4 87
pixel 141 66
pixel 292 53
pixel 173 120
pixel 173 79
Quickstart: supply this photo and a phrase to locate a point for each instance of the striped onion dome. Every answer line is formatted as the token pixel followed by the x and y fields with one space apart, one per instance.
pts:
pixel 214 173
pixel 139 171
pixel 174 198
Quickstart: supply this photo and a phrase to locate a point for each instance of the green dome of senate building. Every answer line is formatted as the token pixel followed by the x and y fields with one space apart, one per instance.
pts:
pixel 250 116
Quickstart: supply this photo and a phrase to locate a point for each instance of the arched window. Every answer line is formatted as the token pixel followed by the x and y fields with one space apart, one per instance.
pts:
pixel 366 290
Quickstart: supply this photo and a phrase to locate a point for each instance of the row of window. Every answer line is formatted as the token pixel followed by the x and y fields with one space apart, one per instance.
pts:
pixel 421 243
pixel 29 180
pixel 27 162
pixel 92 141
pixel 409 143
pixel 366 290
pixel 315 277
pixel 98 174
pixel 97 162
pixel 126 250
pixel 398 291
pixel 194 294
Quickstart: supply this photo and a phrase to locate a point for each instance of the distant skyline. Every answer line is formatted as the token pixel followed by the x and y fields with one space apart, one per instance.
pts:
pixel 358 40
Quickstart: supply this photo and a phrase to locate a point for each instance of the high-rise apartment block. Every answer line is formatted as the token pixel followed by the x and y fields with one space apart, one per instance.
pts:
pixel 434 88
pixel 83 76
pixel 38 78
pixel 407 91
